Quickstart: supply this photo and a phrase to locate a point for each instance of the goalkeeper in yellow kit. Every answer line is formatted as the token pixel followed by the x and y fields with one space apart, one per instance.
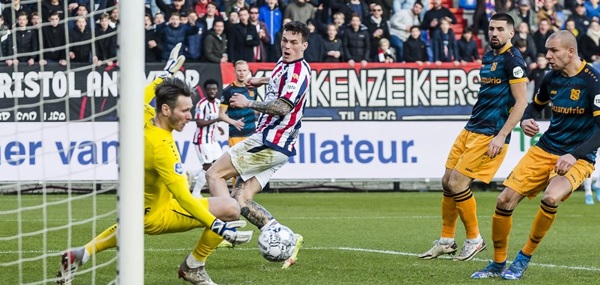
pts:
pixel 169 207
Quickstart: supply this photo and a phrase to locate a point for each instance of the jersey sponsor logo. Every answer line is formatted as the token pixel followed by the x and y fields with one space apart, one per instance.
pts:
pixel 491 80
pixel 597 100
pixel 518 72
pixel 494 66
pixel 178 168
pixel 291 87
pixel 575 94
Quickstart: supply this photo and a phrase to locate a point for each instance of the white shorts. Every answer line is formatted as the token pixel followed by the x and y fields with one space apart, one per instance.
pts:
pixel 251 158
pixel 208 152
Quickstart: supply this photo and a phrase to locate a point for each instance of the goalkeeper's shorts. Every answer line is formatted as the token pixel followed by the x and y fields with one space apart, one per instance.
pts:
pixel 171 218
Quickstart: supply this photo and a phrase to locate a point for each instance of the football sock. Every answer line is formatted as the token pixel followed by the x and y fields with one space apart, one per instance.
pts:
pixel 105 240
pixel 449 215
pixel 192 262
pixel 206 245
pixel 501 225
pixel 541 224
pixel 587 185
pixel 467 209
pixel 200 181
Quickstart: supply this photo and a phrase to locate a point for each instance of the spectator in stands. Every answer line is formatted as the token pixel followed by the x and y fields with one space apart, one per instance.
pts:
pixel 36 20
pixel 278 39
pixel 592 8
pixel 273 18
pixel 234 19
pixel 526 53
pixel 81 10
pixel 212 15
pixel 106 42
pixel 415 49
pixel 54 41
pixel 173 33
pixel 400 5
pixel 549 13
pixel 523 13
pixel 522 32
pixel 590 43
pixel 242 39
pixel 193 48
pixel 570 26
pixel 80 34
pixel 385 53
pixel 357 7
pixel 178 7
pixel 260 51
pixel 537 71
pixel 237 6
pixel 299 10
pixel 153 50
pixel 10 13
pixel 114 18
pixel 467 48
pixel 201 7
pixel 159 18
pixel 58 6
pixel 26 41
pixel 431 20
pixel 443 44
pixel 315 52
pixel 541 35
pixel 356 43
pixel 215 43
pixel 400 25
pixel 582 21
pixel 378 29
pixel 332 45
pixel 4 34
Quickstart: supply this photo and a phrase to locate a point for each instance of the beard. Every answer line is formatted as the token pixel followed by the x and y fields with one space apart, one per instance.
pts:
pixel 497 45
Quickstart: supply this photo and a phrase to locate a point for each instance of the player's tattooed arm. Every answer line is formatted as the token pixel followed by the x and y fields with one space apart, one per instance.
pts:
pixel 278 107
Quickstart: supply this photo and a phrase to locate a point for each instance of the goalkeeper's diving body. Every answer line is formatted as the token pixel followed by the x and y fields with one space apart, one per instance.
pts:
pixel 169 207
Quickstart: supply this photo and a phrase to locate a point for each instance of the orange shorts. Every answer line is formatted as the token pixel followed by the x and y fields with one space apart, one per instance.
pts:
pixel 171 218
pixel 468 156
pixel 534 171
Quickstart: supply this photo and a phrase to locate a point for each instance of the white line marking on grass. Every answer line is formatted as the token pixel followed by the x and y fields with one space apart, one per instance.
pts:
pixel 355 249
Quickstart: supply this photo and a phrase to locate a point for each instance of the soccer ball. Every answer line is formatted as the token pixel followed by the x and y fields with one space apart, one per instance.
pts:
pixel 277 243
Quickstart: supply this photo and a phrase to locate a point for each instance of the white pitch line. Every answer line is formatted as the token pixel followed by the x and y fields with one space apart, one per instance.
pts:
pixel 356 249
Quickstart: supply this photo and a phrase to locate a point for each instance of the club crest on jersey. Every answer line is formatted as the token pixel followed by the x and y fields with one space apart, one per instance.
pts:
pixel 251 93
pixel 518 72
pixel 178 168
pixel 493 68
pixel 597 100
pixel 575 94
pixel 295 76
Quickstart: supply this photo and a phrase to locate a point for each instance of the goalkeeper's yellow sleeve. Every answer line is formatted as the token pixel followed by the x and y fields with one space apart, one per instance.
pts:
pixel 189 203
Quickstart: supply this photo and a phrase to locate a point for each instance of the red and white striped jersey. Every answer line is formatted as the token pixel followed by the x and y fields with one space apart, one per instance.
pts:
pixel 206 110
pixel 289 82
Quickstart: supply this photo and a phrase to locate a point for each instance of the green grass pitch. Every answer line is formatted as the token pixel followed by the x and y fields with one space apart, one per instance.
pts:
pixel 350 238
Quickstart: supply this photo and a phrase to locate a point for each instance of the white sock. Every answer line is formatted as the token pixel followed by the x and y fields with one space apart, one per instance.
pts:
pixel 86 256
pixel 268 225
pixel 475 240
pixel 587 185
pixel 444 240
pixel 192 262
pixel 200 181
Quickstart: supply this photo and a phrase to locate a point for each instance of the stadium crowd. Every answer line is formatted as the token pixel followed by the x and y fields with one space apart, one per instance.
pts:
pixel 350 31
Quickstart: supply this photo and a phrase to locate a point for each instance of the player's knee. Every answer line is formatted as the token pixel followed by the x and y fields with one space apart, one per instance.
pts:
pixel 551 200
pixel 230 210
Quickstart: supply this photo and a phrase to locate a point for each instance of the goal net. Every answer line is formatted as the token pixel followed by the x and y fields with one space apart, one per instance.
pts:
pixel 62 68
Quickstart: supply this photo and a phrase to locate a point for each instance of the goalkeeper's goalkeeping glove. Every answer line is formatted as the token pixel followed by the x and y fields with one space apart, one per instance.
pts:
pixel 228 230
pixel 175 61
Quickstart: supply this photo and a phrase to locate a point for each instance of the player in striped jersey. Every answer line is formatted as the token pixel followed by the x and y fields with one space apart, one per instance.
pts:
pixel 481 146
pixel 207 147
pixel 256 158
pixel 561 159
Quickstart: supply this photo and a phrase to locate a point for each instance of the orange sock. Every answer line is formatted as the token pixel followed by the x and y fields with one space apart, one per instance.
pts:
pixel 501 225
pixel 449 215
pixel 105 240
pixel 541 224
pixel 467 209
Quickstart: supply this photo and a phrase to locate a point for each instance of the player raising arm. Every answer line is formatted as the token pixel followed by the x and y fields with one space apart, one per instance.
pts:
pixel 562 158
pixel 168 205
